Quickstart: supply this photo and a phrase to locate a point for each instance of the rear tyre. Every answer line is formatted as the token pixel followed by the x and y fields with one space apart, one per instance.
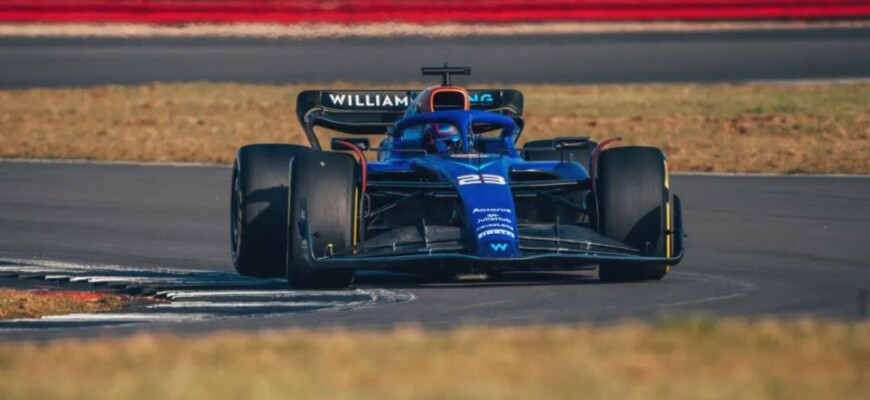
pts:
pixel 632 201
pixel 258 211
pixel 323 201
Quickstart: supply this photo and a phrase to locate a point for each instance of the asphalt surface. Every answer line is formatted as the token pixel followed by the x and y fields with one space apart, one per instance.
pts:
pixel 758 246
pixel 792 54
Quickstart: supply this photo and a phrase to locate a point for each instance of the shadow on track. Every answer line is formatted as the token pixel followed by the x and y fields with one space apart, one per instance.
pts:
pixel 393 280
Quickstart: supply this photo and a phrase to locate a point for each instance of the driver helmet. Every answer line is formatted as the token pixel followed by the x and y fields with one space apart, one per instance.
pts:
pixel 444 137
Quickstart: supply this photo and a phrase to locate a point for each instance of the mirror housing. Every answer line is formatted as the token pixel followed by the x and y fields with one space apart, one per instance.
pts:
pixel 571 142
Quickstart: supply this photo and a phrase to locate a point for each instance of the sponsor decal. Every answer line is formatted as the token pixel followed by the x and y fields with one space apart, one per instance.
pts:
pixel 471 155
pixel 480 98
pixel 498 246
pixel 495 225
pixel 490 232
pixel 476 179
pixel 368 100
pixel 491 210
pixel 493 220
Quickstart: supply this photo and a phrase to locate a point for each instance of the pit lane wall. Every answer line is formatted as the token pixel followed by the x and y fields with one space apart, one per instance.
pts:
pixel 423 11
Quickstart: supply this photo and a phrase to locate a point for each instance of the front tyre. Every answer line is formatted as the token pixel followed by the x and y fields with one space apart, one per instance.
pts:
pixel 258 209
pixel 633 207
pixel 323 210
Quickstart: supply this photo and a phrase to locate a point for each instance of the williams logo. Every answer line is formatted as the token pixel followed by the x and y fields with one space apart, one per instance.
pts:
pixel 355 100
pixel 485 98
pixel 498 246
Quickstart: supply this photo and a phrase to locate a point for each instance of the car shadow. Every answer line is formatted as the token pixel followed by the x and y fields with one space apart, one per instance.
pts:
pixel 394 280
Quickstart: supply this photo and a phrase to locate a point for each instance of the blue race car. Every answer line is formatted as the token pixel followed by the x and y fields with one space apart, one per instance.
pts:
pixel 449 192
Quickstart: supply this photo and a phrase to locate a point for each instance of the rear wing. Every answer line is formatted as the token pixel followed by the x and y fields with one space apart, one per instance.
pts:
pixel 375 111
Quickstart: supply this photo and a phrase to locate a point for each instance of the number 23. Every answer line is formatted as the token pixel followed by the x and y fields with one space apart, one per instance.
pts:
pixel 476 179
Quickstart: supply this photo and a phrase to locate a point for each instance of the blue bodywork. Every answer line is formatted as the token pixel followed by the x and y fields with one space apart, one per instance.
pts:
pixel 482 180
pixel 473 203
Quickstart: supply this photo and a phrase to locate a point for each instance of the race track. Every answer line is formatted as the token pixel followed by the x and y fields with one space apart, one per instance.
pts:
pixel 758 245
pixel 790 54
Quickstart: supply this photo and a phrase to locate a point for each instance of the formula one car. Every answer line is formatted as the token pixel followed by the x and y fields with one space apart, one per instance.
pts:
pixel 449 193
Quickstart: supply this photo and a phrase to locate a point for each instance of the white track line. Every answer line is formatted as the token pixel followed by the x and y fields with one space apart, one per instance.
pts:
pixel 112 162
pixel 118 317
pixel 58 267
pixel 184 294
pixel 744 289
pixel 764 175
pixel 224 304
pixel 55 266
pixel 259 304
pixel 138 280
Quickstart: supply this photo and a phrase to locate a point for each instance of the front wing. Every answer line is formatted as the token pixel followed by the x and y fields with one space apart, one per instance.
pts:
pixel 558 253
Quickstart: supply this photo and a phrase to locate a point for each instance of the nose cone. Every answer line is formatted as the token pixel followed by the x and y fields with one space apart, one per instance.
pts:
pixel 503 246
pixel 489 205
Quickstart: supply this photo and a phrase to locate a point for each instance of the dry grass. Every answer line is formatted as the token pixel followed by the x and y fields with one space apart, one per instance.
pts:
pixel 687 359
pixel 15 304
pixel 818 128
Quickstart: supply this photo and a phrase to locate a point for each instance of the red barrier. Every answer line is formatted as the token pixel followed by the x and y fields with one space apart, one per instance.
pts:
pixel 420 11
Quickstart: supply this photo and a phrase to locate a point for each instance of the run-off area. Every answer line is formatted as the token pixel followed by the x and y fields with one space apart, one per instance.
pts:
pixel 185 295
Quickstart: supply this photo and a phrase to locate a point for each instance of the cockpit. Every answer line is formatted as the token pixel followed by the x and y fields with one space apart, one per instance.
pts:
pixel 438 137
pixel 452 132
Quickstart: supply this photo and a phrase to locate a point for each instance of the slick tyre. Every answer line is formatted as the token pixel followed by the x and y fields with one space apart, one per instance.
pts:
pixel 258 210
pixel 632 200
pixel 323 209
